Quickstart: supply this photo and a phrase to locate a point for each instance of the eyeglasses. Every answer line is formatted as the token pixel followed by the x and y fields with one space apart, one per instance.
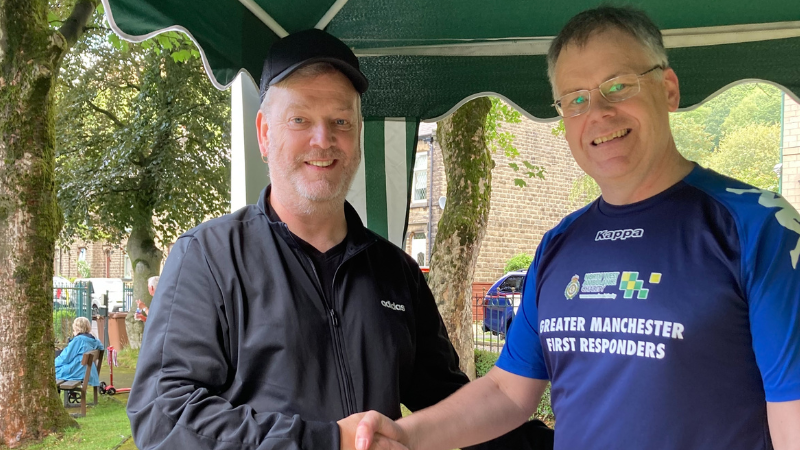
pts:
pixel 615 90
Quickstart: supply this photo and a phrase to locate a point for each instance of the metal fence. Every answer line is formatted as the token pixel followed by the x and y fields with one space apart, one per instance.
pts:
pixel 69 303
pixel 127 296
pixel 491 318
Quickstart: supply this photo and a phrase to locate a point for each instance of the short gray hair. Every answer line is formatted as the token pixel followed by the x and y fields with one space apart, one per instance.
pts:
pixel 152 281
pixel 630 20
pixel 81 325
pixel 309 71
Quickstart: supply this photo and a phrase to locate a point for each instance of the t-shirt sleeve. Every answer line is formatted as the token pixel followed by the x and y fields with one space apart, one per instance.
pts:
pixel 522 355
pixel 771 273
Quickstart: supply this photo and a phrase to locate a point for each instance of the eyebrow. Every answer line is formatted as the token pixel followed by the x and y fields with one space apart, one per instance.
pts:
pixel 297 105
pixel 301 106
pixel 614 75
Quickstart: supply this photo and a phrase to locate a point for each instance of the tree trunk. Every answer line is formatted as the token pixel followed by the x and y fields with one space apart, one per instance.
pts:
pixel 146 262
pixel 30 54
pixel 468 167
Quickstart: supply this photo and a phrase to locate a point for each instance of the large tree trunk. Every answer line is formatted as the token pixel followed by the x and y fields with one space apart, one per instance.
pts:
pixel 468 167
pixel 146 262
pixel 30 54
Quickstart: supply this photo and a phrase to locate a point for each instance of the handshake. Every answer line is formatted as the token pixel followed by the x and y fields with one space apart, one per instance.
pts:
pixel 372 431
pixel 439 428
pixel 446 425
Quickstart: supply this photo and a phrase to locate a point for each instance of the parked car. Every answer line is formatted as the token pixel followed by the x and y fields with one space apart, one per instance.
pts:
pixel 114 287
pixel 501 302
pixel 60 293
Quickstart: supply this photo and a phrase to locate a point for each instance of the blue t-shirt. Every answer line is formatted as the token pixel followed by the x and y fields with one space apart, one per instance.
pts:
pixel 665 324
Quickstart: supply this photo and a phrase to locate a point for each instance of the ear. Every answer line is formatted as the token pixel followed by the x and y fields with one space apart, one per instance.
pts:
pixel 672 88
pixel 262 126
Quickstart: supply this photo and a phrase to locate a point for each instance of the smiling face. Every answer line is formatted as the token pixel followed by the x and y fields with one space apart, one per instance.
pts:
pixel 310 137
pixel 627 143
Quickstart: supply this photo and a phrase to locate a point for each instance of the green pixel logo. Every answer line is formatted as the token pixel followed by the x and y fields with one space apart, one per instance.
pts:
pixel 631 283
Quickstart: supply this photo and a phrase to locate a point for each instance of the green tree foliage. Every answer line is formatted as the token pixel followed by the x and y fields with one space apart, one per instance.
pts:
pixel 520 261
pixel 698 133
pixel 691 137
pixel 749 154
pixel 484 361
pixel 503 141
pixel 142 137
pixel 84 271
pixel 142 147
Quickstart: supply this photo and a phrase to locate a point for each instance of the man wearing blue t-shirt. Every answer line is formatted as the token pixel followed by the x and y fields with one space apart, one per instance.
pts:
pixel 666 314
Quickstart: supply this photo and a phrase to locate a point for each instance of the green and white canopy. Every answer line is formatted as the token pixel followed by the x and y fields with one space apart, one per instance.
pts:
pixel 425 57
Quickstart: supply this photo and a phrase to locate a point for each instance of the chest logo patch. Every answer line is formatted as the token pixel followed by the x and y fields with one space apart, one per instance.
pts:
pixel 595 284
pixel 393 306
pixel 786 215
pixel 573 287
pixel 631 283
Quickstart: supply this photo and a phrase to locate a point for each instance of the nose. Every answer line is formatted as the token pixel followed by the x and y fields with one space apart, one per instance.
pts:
pixel 322 135
pixel 600 107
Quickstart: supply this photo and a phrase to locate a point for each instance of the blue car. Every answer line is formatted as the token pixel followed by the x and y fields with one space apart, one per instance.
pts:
pixel 502 301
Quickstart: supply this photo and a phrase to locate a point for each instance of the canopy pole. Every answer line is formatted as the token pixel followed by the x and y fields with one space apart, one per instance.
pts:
pixel 248 172
pixel 326 19
pixel 264 17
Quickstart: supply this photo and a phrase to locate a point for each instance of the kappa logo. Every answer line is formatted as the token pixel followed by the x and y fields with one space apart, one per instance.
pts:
pixel 393 306
pixel 613 235
pixel 786 215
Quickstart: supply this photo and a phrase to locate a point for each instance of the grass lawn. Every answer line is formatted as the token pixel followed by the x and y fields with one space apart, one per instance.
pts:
pixel 105 427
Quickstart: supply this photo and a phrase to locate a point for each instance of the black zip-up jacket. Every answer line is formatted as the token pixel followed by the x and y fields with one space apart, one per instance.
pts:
pixel 241 350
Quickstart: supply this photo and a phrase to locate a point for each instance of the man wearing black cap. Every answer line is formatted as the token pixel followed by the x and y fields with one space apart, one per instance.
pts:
pixel 276 325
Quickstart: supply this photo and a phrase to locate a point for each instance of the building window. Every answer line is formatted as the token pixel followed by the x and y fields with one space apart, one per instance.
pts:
pixel 82 254
pixel 418 248
pixel 127 268
pixel 420 181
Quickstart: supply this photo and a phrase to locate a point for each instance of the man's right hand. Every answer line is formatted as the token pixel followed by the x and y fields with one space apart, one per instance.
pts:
pixel 371 431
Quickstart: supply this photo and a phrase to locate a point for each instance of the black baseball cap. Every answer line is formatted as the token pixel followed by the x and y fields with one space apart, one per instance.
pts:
pixel 307 47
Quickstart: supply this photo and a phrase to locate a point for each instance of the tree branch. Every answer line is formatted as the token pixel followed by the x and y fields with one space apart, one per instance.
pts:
pixel 96 28
pixel 75 24
pixel 199 105
pixel 107 113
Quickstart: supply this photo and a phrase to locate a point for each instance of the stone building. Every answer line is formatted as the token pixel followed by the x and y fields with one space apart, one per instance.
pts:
pixel 518 218
pixel 105 260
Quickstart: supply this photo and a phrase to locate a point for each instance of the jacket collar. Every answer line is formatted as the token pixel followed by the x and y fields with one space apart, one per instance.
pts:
pixel 357 234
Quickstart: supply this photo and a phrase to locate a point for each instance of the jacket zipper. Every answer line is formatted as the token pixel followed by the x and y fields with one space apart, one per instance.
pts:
pixel 348 379
pixel 336 330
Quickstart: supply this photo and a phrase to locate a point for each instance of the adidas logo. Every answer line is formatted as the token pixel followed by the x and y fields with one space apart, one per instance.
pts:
pixel 393 306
